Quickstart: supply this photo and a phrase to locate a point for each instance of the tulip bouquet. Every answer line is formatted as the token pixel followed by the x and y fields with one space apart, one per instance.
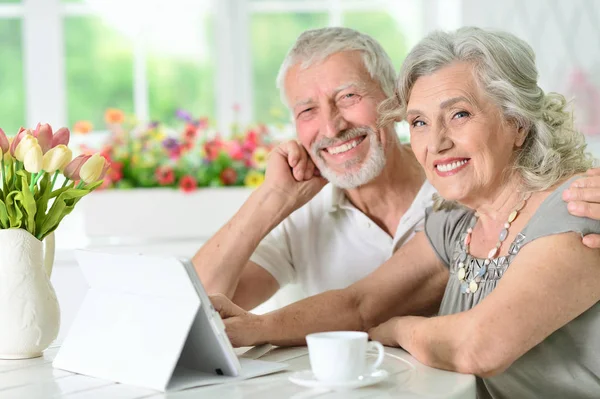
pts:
pixel 31 162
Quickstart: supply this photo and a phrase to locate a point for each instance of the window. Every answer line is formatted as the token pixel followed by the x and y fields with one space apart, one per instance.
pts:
pixel 213 58
pixel 12 100
pixel 382 26
pixel 181 71
pixel 272 36
pixel 99 70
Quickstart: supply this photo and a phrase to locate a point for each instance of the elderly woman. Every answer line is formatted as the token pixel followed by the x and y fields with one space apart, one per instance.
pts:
pixel 520 309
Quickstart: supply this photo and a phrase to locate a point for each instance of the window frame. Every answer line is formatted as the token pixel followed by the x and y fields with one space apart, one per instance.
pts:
pixel 43 38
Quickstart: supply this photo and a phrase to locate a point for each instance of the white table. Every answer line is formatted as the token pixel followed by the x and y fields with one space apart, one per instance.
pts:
pixel 35 378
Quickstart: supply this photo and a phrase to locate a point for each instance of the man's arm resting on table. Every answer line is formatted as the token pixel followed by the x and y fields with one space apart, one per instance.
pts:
pixel 224 260
pixel 411 282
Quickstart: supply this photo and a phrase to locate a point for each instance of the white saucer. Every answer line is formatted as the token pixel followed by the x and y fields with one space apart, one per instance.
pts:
pixel 307 379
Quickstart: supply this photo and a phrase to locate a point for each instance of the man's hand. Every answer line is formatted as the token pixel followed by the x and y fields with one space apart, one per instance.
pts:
pixel 243 328
pixel 583 197
pixel 291 171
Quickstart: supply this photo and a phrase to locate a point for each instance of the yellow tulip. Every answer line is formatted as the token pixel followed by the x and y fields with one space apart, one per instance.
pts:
pixel 33 159
pixel 56 158
pixel 92 168
pixel 26 143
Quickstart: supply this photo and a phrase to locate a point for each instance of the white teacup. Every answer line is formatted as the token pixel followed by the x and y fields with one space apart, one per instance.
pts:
pixel 342 355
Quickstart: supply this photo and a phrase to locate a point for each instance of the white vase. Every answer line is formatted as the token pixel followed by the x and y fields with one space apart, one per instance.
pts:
pixel 29 310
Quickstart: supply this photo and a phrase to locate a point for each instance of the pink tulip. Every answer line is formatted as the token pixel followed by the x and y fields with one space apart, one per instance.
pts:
pixel 3 142
pixel 61 136
pixel 44 136
pixel 72 169
pixel 22 133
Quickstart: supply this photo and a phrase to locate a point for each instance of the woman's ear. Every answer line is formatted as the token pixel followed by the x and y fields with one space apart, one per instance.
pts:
pixel 521 135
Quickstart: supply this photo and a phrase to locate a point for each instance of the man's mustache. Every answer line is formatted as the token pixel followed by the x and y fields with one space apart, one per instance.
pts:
pixel 344 135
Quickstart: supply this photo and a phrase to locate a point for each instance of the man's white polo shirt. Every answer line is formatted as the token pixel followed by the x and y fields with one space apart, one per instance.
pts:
pixel 330 244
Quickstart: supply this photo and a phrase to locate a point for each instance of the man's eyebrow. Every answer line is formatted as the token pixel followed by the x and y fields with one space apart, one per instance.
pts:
pixel 303 102
pixel 346 86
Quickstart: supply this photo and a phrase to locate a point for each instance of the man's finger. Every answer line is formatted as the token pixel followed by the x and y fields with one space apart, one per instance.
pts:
pixel 593 172
pixel 293 152
pixel 300 168
pixel 310 170
pixel 592 241
pixel 584 209
pixel 223 305
pixel 582 194
pixel 586 182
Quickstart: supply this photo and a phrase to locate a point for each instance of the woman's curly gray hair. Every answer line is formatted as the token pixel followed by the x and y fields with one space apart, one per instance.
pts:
pixel 505 69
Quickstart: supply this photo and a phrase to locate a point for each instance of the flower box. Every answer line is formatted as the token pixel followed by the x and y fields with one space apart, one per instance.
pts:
pixel 151 214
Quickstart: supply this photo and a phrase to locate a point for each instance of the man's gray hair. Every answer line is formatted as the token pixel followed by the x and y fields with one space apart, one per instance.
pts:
pixel 314 46
pixel 504 67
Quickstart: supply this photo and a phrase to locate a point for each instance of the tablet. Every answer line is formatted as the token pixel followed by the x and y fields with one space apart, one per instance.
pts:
pixel 148 321
pixel 208 348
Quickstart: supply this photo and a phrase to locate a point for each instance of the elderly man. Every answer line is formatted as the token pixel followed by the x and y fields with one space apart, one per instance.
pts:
pixel 296 227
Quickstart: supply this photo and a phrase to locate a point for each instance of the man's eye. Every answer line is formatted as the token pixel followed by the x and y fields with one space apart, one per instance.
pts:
pixel 304 112
pixel 350 98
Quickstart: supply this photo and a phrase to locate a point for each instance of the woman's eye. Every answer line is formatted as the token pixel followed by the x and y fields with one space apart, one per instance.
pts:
pixel 461 114
pixel 418 123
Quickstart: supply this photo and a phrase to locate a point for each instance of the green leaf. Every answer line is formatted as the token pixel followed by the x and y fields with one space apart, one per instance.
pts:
pixel 15 215
pixel 28 205
pixel 92 186
pixel 62 206
pixel 4 222
pixel 43 196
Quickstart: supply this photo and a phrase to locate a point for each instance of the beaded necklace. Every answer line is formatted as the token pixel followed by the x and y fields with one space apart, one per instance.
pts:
pixel 471 286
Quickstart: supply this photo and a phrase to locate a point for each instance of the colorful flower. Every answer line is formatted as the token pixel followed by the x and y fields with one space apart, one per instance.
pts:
pixel 187 183
pixel 190 132
pixel 114 116
pixel 254 179
pixel 93 169
pixel 235 151
pixel 72 169
pixel 228 176
pixel 165 175
pixel 260 157
pixel 56 158
pixel 115 175
pixel 83 127
pixel 202 123
pixel 183 115
pixel 4 145
pixel 32 162
pixel 212 148
pixel 170 143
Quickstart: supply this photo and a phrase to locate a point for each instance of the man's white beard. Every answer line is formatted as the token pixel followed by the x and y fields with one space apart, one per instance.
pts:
pixel 371 167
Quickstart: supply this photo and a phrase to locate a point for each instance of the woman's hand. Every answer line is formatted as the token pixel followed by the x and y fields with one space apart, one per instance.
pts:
pixel 386 333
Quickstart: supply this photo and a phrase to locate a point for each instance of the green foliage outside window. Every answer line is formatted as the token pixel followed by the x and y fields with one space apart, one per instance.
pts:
pixel 12 100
